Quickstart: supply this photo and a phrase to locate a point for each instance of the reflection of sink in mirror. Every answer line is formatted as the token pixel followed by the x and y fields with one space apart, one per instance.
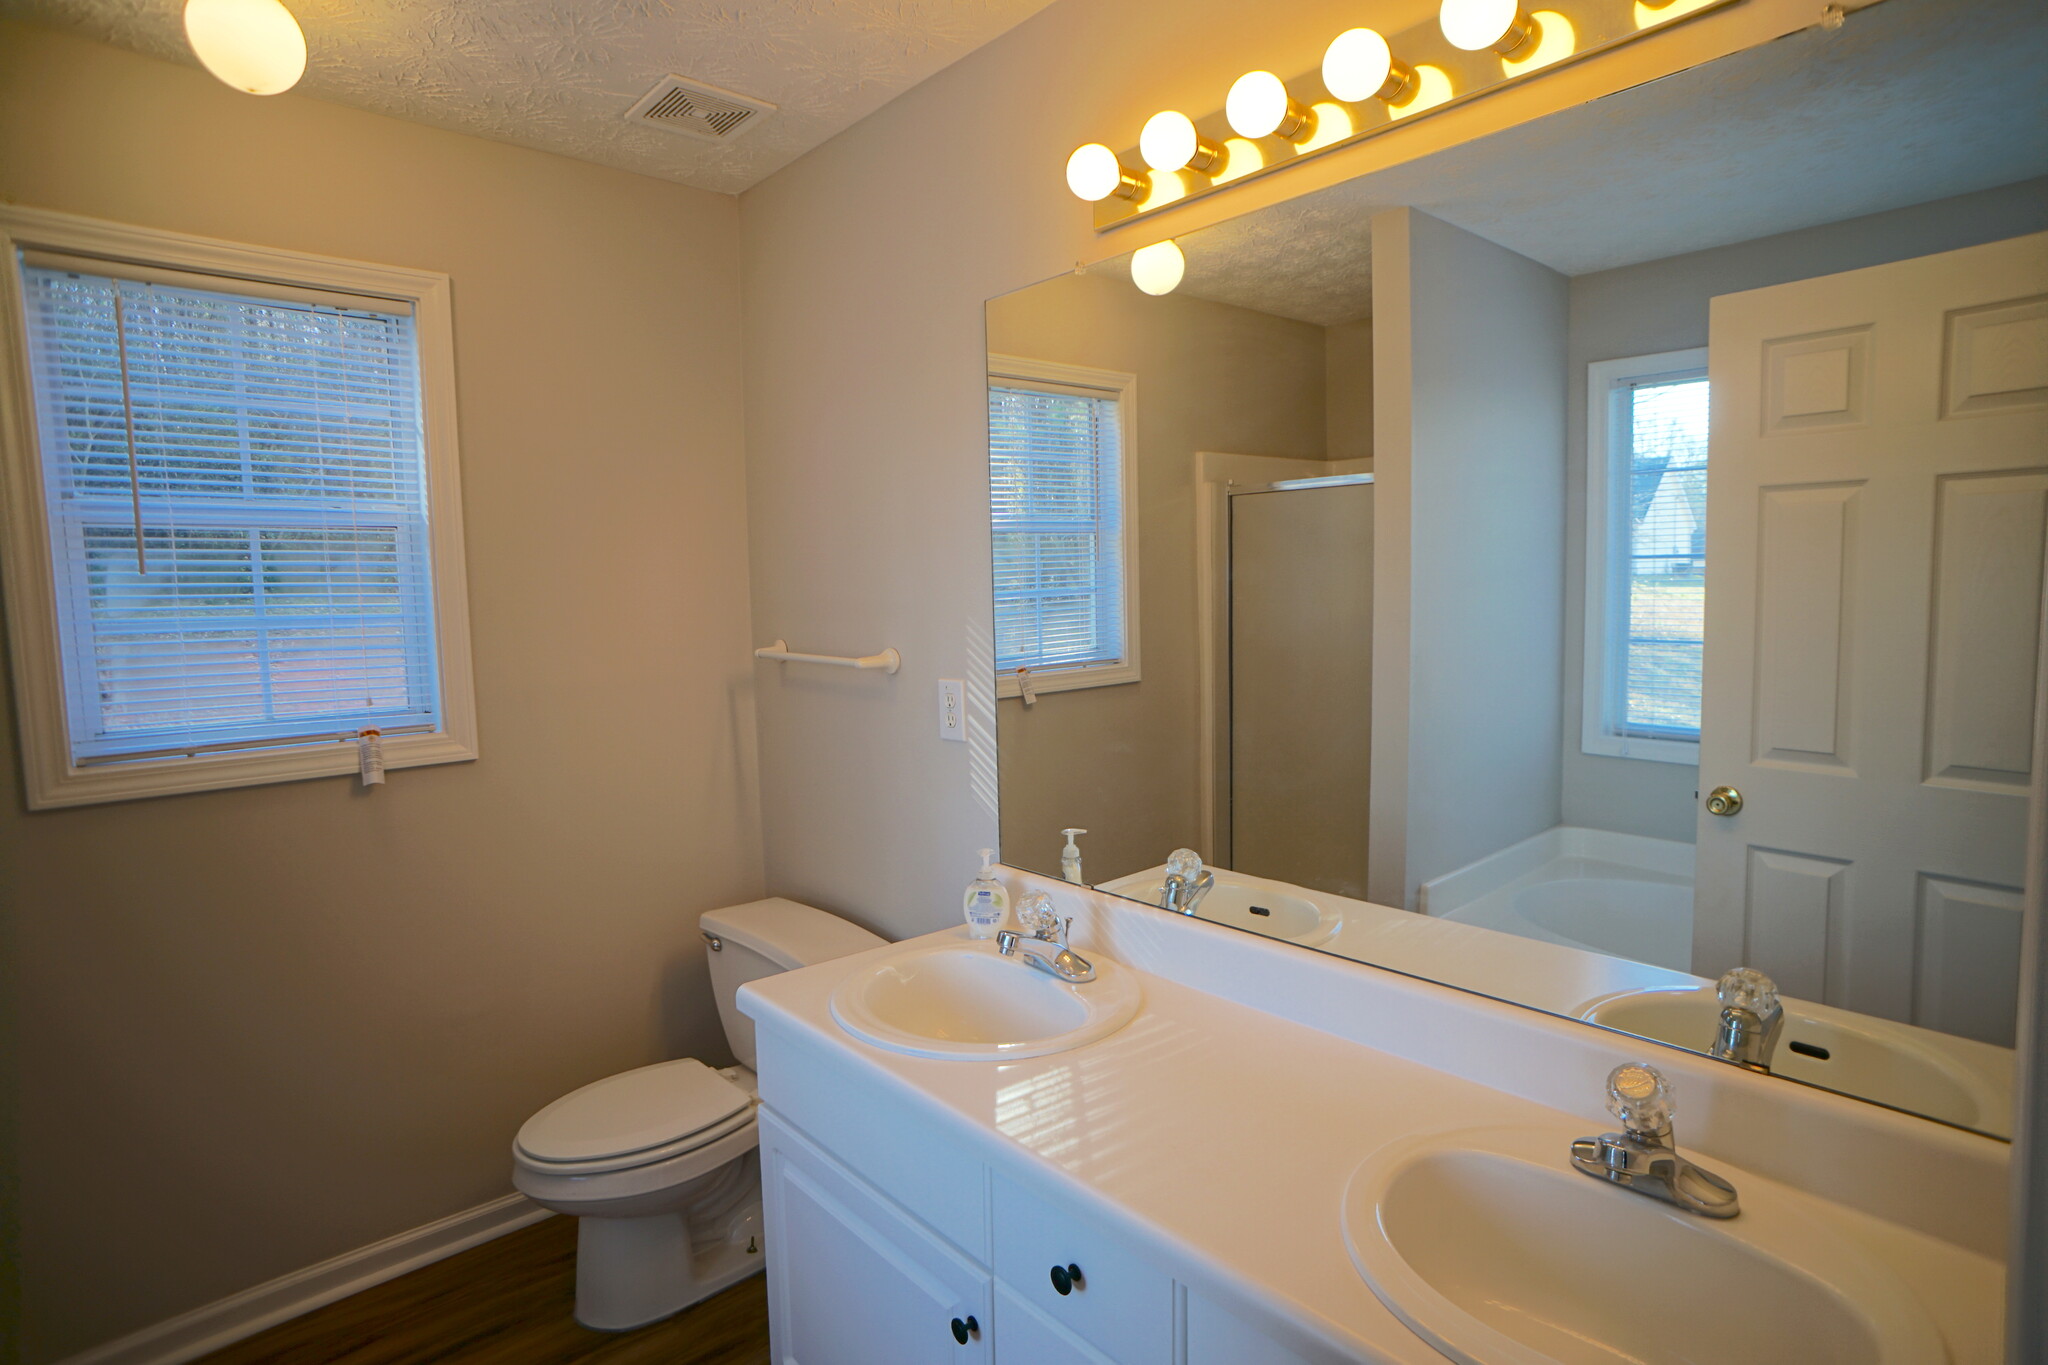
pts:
pixel 1264 907
pixel 1490 1247
pixel 1619 894
pixel 1957 1080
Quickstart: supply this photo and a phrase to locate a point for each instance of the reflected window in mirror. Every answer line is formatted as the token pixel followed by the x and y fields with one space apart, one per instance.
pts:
pixel 1063 525
pixel 1646 555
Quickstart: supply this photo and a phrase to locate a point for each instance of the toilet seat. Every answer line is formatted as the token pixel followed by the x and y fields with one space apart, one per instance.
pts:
pixel 636 1118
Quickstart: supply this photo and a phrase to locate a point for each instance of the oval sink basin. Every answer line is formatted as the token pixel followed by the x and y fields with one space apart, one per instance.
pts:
pixel 963 1000
pixel 1249 903
pixel 1488 1245
pixel 1908 1068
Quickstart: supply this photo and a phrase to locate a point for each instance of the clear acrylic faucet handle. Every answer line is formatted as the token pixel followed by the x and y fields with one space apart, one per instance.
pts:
pixel 1639 1096
pixel 1746 988
pixel 1184 863
pixel 1035 912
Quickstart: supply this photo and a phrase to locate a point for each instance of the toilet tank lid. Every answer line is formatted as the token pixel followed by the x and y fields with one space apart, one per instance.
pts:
pixel 788 933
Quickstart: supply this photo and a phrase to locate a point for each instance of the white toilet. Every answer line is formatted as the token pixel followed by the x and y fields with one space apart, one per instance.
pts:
pixel 660 1163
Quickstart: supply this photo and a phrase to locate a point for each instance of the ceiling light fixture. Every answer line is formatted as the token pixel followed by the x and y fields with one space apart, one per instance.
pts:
pixel 1157 268
pixel 1170 143
pixel 1486 25
pixel 1093 173
pixel 1359 66
pixel 254 45
pixel 1259 106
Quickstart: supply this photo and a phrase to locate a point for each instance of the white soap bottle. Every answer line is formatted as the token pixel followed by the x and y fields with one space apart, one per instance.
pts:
pixel 1070 857
pixel 988 905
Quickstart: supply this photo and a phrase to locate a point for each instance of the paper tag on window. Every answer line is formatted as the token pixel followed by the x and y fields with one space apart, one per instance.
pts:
pixel 370 756
pixel 1024 687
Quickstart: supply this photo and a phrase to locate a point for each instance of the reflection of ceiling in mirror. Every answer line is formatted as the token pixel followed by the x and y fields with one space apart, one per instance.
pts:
pixel 1913 100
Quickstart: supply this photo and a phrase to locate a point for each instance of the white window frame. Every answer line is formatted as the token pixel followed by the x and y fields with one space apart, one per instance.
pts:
pixel 1125 388
pixel 1606 582
pixel 51 778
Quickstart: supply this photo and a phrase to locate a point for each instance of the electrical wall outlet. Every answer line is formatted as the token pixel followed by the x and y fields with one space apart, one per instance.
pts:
pixel 952 709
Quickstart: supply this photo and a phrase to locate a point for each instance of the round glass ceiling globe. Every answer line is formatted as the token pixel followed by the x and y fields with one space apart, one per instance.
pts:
pixel 1168 142
pixel 253 45
pixel 1256 105
pixel 1476 25
pixel 1157 268
pixel 1093 172
pixel 1356 65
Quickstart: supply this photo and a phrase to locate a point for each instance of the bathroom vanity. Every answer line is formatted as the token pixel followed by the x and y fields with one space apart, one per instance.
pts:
pixel 1232 1176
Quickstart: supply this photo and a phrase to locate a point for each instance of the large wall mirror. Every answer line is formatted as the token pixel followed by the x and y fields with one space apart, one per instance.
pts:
pixel 1580 564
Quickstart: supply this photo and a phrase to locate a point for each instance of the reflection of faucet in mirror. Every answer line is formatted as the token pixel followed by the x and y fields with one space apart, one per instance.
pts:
pixel 1641 1157
pixel 1186 882
pixel 1035 913
pixel 1751 1018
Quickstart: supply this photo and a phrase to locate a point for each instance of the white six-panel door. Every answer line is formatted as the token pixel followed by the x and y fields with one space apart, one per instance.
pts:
pixel 1877 498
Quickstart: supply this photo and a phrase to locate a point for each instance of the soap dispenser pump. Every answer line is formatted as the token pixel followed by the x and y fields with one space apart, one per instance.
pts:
pixel 1070 858
pixel 988 904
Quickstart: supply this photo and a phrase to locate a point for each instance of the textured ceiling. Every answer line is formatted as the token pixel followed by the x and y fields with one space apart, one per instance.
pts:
pixel 1913 100
pixel 561 74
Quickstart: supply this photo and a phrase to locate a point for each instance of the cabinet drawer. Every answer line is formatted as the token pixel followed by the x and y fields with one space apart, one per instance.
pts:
pixel 1119 1303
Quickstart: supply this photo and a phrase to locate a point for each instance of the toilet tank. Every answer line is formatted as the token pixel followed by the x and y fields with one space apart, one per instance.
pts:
pixel 762 938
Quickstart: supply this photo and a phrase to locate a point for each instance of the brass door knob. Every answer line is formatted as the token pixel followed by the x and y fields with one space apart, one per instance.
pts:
pixel 1724 801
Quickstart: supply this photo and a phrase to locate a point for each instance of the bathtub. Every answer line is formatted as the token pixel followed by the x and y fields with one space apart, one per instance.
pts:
pixel 1619 894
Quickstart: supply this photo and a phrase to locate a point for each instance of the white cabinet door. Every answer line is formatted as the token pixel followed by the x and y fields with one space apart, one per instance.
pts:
pixel 853 1281
pixel 1878 492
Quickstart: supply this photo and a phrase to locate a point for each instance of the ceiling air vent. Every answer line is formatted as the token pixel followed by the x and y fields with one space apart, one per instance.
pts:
pixel 698 110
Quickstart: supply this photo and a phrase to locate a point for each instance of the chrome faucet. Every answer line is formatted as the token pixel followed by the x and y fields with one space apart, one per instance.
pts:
pixel 1186 882
pixel 1035 913
pixel 1641 1157
pixel 1751 1019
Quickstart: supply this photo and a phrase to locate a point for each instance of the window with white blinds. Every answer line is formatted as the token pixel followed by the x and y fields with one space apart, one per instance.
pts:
pixel 1056 473
pixel 1646 565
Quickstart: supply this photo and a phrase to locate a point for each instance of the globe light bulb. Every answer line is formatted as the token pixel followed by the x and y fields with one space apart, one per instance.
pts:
pixel 1258 106
pixel 1093 173
pixel 1157 269
pixel 1479 25
pixel 253 45
pixel 1360 66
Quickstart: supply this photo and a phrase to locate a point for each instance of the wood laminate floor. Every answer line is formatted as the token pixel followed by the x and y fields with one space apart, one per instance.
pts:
pixel 506 1302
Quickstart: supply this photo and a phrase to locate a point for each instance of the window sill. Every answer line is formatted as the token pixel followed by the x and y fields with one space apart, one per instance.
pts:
pixel 1650 750
pixel 1067 679
pixel 73 786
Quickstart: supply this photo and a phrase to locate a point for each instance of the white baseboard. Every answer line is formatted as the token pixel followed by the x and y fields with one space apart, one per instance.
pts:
pixel 228 1320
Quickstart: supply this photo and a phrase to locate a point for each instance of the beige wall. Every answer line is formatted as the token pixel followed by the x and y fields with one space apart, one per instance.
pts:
pixel 262 1027
pixel 1121 761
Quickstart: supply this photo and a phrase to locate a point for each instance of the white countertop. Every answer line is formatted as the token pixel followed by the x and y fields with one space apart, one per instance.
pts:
pixel 1218 1132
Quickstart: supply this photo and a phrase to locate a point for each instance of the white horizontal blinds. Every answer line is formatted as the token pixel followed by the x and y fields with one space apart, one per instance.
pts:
pixel 270 453
pixel 1056 475
pixel 1665 566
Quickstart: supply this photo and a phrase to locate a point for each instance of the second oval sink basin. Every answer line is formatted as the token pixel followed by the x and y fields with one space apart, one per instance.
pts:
pixel 1242 902
pixel 1488 1245
pixel 964 1000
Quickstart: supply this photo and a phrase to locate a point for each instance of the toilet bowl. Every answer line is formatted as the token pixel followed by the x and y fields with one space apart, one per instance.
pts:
pixel 660 1164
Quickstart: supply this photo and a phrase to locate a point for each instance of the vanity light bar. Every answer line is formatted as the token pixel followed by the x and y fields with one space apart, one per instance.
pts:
pixel 1367 83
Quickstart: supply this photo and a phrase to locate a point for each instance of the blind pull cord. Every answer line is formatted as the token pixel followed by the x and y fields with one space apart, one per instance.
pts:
pixel 370 756
pixel 128 425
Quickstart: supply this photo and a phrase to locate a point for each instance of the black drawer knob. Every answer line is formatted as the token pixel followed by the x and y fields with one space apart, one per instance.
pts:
pixel 1066 1279
pixel 964 1328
